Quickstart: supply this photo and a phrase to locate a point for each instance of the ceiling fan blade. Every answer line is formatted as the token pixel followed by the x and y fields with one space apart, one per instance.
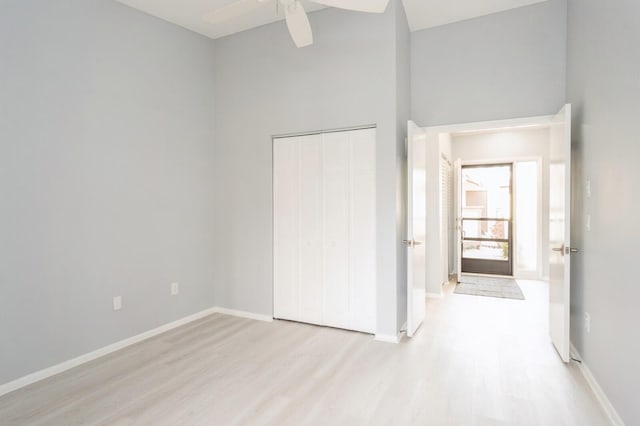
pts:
pixel 233 10
pixel 298 24
pixel 371 6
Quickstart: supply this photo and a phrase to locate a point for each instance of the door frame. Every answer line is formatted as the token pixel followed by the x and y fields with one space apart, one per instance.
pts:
pixel 539 273
pixel 493 125
pixel 511 239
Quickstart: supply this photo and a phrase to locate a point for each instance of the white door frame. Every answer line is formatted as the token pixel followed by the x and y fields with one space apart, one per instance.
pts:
pixel 497 125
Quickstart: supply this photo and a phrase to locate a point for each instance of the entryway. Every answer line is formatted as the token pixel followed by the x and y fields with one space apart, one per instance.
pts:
pixel 509 220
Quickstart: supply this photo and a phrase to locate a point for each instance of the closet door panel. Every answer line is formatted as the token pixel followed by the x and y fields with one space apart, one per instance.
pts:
pixel 286 227
pixel 311 224
pixel 362 231
pixel 336 230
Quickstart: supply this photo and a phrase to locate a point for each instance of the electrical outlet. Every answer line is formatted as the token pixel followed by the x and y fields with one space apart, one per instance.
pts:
pixel 587 322
pixel 175 289
pixel 588 189
pixel 117 303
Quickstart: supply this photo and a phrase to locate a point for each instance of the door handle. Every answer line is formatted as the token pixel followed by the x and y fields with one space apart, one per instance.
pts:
pixel 566 250
pixel 559 249
pixel 411 243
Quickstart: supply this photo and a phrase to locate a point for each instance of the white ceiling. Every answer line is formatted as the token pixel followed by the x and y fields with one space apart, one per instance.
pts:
pixel 190 14
pixel 421 14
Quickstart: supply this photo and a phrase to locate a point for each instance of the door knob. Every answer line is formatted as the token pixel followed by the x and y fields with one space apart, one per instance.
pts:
pixel 566 250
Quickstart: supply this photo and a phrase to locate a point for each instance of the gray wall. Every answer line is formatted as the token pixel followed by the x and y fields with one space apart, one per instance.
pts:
pixel 346 78
pixel 106 163
pixel 604 88
pixel 506 65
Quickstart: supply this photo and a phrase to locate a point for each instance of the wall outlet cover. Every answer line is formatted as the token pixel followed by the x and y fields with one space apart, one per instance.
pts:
pixel 117 303
pixel 175 289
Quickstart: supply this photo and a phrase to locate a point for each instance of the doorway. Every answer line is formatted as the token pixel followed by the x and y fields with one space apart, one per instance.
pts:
pixel 487 226
pixel 529 148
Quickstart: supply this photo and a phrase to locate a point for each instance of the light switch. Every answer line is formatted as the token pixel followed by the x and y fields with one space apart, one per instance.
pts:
pixel 588 222
pixel 588 189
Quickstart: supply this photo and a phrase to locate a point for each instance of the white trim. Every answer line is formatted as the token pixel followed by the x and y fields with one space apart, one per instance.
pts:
pixel 320 132
pixel 387 338
pixel 243 314
pixel 433 296
pixel 493 125
pixel 607 406
pixel 82 359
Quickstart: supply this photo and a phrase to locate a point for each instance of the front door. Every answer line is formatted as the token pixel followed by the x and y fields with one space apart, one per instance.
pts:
pixel 487 228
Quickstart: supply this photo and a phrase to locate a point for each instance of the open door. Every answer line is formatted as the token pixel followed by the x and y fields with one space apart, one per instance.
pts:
pixel 560 232
pixel 457 199
pixel 416 227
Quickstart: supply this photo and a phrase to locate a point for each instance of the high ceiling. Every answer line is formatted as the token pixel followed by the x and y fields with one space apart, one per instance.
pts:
pixel 421 14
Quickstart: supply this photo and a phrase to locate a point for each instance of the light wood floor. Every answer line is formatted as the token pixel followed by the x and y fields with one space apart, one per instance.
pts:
pixel 475 361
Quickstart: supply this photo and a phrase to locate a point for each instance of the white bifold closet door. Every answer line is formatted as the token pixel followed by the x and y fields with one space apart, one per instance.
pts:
pixel 324 229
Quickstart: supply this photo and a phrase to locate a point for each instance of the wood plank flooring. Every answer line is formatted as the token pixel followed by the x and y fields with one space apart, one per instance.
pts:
pixel 475 361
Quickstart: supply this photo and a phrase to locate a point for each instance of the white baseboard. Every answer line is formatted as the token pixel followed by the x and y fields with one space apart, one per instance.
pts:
pixel 82 359
pixel 387 338
pixel 243 314
pixel 608 408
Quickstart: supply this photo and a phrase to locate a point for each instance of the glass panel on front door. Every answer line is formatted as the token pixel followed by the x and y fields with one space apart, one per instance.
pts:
pixel 486 219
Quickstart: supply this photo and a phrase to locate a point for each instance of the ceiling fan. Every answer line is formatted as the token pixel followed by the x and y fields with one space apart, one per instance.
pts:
pixel 295 15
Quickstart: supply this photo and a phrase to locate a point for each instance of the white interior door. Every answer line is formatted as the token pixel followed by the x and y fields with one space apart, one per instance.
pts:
pixel 457 200
pixel 335 311
pixel 416 227
pixel 560 231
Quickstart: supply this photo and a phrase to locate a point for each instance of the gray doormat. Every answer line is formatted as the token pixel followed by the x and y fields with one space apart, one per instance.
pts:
pixel 505 288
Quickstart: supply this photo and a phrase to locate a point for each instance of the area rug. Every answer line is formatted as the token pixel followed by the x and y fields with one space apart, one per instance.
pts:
pixel 505 288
